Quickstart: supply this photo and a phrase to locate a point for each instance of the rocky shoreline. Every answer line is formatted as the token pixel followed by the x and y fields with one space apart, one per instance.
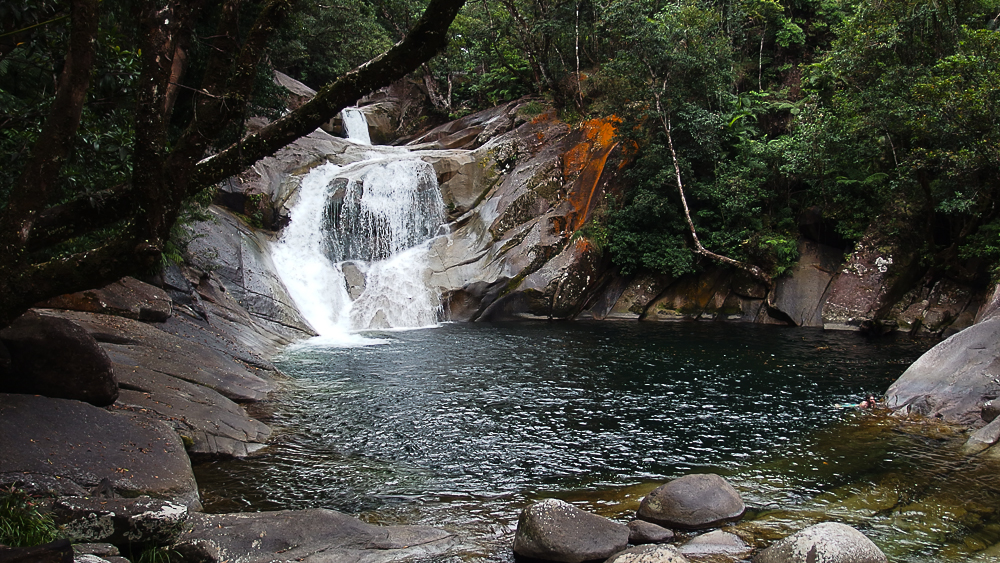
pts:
pixel 169 383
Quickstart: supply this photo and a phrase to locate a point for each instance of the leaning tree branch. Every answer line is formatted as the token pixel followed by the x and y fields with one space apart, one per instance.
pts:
pixel 427 38
pixel 755 271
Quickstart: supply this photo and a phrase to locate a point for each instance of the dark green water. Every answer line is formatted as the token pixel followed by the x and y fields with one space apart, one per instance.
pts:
pixel 463 425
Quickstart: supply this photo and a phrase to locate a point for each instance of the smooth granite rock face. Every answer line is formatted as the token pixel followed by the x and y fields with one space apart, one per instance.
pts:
pixel 829 542
pixel 953 379
pixel 315 535
pixel 56 358
pixel 649 554
pixel 553 530
pixel 693 502
pixel 48 441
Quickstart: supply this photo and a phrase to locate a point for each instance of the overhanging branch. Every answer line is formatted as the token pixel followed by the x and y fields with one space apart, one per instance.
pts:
pixel 427 38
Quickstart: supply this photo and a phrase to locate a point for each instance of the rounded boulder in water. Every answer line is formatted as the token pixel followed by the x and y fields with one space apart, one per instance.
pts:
pixel 829 542
pixel 693 502
pixel 553 530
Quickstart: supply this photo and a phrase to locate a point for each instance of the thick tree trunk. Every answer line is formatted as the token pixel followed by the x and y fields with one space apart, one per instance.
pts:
pixel 36 186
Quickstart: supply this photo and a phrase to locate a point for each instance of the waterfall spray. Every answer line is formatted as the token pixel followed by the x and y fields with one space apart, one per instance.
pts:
pixel 374 220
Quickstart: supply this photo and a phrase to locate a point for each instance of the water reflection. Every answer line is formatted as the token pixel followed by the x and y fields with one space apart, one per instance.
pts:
pixel 461 426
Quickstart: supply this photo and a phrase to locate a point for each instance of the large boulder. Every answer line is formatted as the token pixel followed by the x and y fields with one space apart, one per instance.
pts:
pixel 125 522
pixel 316 535
pixel 70 446
pixel 861 288
pixel 56 358
pixel 554 530
pixel 829 542
pixel 953 379
pixel 693 502
pixel 649 554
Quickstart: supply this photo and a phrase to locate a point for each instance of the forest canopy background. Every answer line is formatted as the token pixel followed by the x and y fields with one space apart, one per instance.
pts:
pixel 840 120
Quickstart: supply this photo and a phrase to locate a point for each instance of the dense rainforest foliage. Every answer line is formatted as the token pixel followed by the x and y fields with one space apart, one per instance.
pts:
pixel 747 122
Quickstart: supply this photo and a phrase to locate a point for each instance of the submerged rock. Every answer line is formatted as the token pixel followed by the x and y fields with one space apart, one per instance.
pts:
pixel 554 530
pixel 829 542
pixel 304 535
pixel 640 532
pixel 649 554
pixel 716 546
pixel 693 502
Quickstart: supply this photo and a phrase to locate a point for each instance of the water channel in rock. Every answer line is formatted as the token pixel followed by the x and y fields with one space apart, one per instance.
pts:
pixel 463 425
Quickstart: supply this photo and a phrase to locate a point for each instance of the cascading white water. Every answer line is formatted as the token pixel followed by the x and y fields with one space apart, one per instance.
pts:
pixel 378 216
pixel 355 125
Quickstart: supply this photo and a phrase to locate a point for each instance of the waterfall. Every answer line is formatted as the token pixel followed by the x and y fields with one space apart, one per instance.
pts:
pixel 355 125
pixel 354 255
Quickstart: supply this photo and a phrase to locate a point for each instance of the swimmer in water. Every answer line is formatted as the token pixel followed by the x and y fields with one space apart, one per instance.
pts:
pixel 869 403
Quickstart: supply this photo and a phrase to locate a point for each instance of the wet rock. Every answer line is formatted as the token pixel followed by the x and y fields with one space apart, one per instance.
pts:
pixel 640 532
pixel 127 297
pixel 692 502
pixel 954 378
pixel 59 551
pixel 125 522
pixel 983 438
pixel 354 278
pixel 310 535
pixel 649 554
pixel 718 293
pixel 637 295
pixel 60 441
pixel 241 259
pixel 553 530
pixel 208 314
pixel 829 542
pixel 471 131
pixel 802 294
pixel 990 410
pixel 56 358
pixel 716 546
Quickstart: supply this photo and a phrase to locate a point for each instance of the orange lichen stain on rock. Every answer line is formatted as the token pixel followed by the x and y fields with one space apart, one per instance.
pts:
pixel 546 116
pixel 586 160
